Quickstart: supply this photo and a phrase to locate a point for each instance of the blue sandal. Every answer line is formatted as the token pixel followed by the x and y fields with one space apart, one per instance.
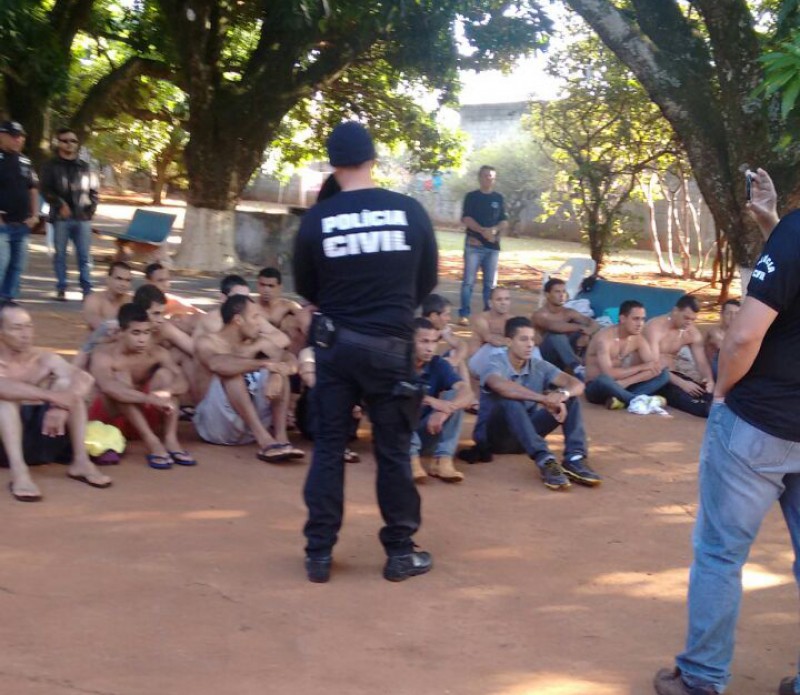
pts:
pixel 182 458
pixel 159 462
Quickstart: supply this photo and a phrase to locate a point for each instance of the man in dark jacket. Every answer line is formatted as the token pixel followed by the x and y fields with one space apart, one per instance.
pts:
pixel 70 187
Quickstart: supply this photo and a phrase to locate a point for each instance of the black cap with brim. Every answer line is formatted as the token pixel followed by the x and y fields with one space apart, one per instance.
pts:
pixel 12 128
pixel 350 145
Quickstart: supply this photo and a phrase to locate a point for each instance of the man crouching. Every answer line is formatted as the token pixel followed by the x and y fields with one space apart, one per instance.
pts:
pixel 42 408
pixel 139 384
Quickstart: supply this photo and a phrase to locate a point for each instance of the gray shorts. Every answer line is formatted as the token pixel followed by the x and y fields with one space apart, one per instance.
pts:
pixel 218 423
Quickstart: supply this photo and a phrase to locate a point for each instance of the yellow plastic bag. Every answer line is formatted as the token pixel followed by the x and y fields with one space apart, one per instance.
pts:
pixel 101 437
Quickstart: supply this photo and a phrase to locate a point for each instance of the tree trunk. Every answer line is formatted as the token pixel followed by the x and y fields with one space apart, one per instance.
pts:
pixel 647 189
pixel 212 240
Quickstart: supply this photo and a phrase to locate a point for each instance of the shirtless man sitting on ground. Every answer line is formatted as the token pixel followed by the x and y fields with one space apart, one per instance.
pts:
pixel 182 312
pixel 100 307
pixel 716 335
pixel 100 310
pixel 565 332
pixel 488 330
pixel 212 322
pixel 283 313
pixel 245 381
pixel 42 398
pixel 667 335
pixel 139 383
pixel 620 364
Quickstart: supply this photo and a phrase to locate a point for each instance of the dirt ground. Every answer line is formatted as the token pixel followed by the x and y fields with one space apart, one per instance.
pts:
pixel 190 581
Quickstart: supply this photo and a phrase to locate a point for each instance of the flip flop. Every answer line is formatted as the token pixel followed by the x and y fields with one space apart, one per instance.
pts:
pixel 159 462
pixel 182 458
pixel 187 413
pixel 89 482
pixel 293 453
pixel 280 453
pixel 23 498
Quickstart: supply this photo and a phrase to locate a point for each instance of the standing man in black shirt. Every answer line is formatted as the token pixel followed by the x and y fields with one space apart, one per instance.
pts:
pixel 751 453
pixel 484 216
pixel 19 205
pixel 70 186
pixel 365 258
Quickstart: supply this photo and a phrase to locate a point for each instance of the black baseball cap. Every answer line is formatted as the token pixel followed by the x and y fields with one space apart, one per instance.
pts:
pixel 350 145
pixel 12 128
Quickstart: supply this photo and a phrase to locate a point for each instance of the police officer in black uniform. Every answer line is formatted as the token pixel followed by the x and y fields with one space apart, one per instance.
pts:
pixel 19 205
pixel 366 258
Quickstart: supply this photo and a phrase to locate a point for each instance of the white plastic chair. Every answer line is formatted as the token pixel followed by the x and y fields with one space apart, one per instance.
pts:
pixel 578 269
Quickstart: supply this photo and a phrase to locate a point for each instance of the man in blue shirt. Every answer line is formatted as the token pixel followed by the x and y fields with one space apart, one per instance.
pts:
pixel 446 396
pixel 523 400
pixel 484 216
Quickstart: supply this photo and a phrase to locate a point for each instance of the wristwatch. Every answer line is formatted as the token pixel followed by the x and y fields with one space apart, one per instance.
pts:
pixel 565 392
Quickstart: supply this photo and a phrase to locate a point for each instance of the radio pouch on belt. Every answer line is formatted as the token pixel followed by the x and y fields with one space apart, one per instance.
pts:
pixel 323 331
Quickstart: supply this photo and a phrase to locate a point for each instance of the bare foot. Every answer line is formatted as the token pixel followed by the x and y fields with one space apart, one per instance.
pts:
pixel 24 489
pixel 87 470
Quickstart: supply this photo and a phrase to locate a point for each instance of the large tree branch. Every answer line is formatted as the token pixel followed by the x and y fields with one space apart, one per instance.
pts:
pixel 67 18
pixel 104 97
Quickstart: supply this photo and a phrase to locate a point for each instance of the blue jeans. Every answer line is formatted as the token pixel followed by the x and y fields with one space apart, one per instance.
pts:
pixel 478 257
pixel 511 427
pixel 743 471
pixel 13 257
pixel 80 233
pixel 442 444
pixel 559 349
pixel 602 388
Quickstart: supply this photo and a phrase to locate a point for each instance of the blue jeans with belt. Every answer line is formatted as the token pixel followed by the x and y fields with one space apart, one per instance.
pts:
pixel 743 472
pixel 80 233
pixel 13 257
pixel 478 257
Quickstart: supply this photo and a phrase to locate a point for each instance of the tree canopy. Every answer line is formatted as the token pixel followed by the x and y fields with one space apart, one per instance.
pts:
pixel 699 62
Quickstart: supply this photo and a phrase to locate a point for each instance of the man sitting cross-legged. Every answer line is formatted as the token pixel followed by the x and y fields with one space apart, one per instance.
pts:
pixel 438 310
pixel 667 335
pixel 523 400
pixel 619 362
pixel 42 397
pixel 446 396
pixel 245 377
pixel 100 311
pixel 488 330
pixel 139 383
pixel 565 332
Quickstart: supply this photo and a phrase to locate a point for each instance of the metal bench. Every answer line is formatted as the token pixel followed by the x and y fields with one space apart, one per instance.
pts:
pixel 146 235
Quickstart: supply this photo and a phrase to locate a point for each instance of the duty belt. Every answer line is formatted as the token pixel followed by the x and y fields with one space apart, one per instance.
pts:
pixel 387 344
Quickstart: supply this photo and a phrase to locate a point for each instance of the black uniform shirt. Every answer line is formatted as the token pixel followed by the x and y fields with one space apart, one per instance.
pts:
pixel 768 396
pixel 367 259
pixel 16 179
pixel 487 210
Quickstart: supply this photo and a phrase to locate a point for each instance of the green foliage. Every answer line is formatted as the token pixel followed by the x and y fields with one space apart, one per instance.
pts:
pixel 524 174
pixel 603 133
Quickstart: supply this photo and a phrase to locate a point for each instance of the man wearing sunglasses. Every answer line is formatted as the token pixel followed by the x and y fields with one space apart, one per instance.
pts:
pixel 19 205
pixel 70 187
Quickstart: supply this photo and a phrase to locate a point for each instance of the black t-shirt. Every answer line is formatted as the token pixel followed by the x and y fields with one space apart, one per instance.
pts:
pixel 487 210
pixel 16 179
pixel 768 396
pixel 367 258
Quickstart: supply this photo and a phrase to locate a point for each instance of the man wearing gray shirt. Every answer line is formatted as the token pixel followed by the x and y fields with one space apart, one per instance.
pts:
pixel 523 400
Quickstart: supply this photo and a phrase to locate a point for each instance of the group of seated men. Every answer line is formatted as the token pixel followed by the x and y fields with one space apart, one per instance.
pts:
pixel 149 357
pixel 152 358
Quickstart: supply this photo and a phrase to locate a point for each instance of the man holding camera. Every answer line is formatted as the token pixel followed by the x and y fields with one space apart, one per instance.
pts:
pixel 366 258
